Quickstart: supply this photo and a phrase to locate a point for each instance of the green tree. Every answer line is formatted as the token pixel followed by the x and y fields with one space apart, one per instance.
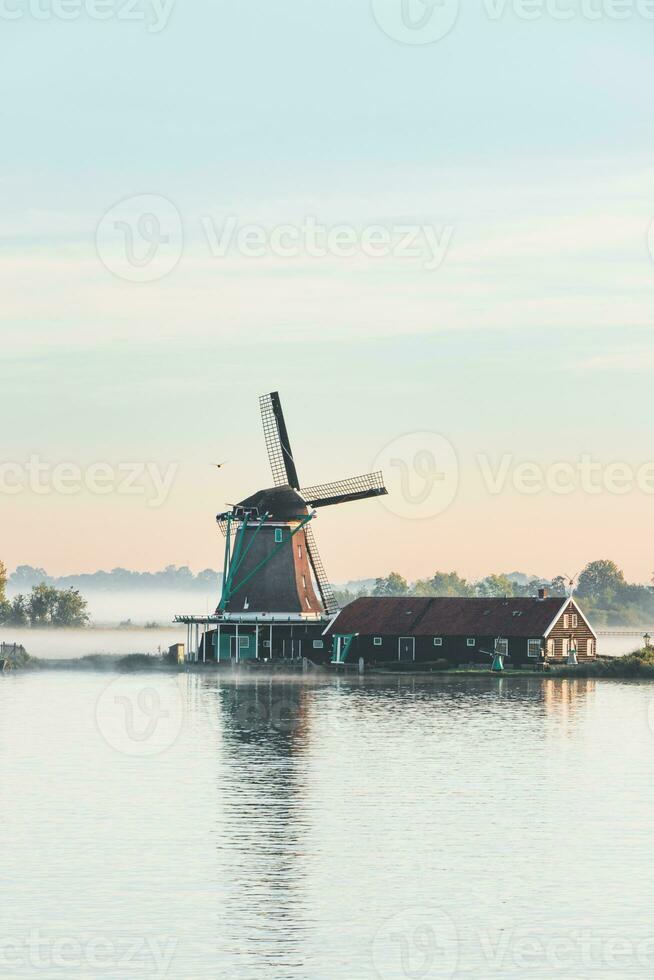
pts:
pixel 442 584
pixel 5 607
pixel 47 606
pixel 495 586
pixel 69 609
pixel 601 581
pixel 393 585
pixel 18 613
pixel 559 586
pixel 345 596
pixel 41 604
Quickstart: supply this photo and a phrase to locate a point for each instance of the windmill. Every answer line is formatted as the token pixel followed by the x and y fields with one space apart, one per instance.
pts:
pixel 271 557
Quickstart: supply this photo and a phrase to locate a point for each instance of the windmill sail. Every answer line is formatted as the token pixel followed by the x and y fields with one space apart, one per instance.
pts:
pixel 324 586
pixel 342 491
pixel 278 444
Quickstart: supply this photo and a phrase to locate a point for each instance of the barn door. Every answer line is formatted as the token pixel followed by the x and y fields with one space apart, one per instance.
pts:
pixel 406 648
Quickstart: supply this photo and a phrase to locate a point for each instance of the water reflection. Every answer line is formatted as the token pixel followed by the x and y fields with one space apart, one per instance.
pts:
pixel 264 726
pixel 295 758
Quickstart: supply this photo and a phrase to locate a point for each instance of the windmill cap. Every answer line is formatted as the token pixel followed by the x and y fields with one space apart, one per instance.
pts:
pixel 282 503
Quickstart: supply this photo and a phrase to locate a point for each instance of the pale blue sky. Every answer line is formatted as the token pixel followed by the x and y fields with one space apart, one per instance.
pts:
pixel 531 140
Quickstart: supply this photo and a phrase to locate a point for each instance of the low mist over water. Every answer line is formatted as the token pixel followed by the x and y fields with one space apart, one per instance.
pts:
pixel 63 643
pixel 55 644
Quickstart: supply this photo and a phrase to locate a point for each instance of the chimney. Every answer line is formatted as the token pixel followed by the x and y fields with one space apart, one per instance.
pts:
pixel 542 593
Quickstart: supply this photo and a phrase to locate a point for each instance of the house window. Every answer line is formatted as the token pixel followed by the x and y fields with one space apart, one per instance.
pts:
pixel 318 644
pixel 550 648
pixel 502 647
pixel 279 537
pixel 566 622
pixel 438 641
pixel 471 642
pixel 266 643
pixel 377 641
pixel 244 642
pixel 590 648
pixel 575 620
pixel 533 648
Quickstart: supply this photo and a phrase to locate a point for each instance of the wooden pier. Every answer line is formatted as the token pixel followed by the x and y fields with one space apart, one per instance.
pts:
pixel 12 655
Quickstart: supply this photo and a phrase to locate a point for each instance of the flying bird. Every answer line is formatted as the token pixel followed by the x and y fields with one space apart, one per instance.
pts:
pixel 219 466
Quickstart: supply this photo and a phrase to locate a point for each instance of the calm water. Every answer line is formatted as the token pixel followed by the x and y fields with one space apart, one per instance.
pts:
pixel 194 827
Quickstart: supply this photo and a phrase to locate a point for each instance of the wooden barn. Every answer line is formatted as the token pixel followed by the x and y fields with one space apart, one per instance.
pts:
pixel 461 631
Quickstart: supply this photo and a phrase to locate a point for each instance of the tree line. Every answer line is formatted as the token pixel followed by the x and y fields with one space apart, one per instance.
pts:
pixel 172 578
pixel 601 587
pixel 43 606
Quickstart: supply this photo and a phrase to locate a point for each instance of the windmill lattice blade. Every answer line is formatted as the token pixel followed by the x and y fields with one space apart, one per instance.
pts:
pixel 278 444
pixel 324 586
pixel 223 524
pixel 342 491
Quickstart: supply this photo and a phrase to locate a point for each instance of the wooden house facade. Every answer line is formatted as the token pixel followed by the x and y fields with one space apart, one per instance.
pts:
pixel 461 631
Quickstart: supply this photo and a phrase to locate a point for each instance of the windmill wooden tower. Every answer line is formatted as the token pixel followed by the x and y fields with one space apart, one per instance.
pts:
pixel 272 564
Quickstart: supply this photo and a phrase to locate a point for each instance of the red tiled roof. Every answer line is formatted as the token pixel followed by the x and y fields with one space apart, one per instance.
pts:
pixel 448 617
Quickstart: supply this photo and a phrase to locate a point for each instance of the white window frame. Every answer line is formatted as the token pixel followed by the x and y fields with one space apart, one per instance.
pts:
pixel 566 621
pixel 318 644
pixel 590 647
pixel 575 620
pixel 377 641
pixel 471 641
pixel 244 642
pixel 533 642
pixel 438 641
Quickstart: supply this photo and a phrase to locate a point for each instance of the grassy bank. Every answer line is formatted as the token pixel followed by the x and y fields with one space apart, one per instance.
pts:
pixel 639 664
